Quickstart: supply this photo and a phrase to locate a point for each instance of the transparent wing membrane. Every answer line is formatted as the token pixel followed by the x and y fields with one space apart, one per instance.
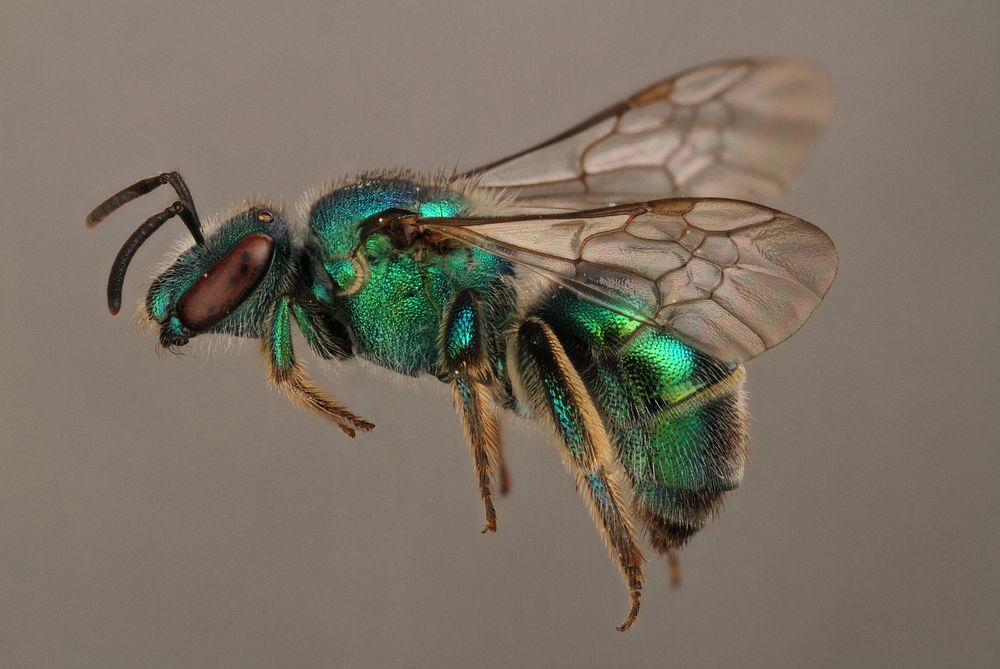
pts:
pixel 731 278
pixel 736 128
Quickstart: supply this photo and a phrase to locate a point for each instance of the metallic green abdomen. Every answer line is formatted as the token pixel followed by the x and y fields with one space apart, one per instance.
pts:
pixel 675 415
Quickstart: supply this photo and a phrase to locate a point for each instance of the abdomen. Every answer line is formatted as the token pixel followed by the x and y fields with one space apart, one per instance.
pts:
pixel 675 415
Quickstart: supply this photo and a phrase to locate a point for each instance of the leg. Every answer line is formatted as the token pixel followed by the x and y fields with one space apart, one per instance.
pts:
pixel 286 373
pixel 326 336
pixel 464 356
pixel 556 389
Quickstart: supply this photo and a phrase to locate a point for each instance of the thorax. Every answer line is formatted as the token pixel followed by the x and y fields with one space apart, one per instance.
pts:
pixel 391 293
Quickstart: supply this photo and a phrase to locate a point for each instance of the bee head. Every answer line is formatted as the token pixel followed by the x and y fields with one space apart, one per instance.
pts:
pixel 225 284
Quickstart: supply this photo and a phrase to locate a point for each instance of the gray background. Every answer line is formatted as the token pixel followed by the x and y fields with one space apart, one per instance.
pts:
pixel 174 512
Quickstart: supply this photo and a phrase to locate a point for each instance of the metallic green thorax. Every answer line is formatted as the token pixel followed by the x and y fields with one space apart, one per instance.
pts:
pixel 394 299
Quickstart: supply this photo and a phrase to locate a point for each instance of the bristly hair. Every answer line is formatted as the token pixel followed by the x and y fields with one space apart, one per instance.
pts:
pixel 479 201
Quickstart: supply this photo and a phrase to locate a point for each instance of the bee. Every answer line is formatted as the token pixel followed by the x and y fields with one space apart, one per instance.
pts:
pixel 609 282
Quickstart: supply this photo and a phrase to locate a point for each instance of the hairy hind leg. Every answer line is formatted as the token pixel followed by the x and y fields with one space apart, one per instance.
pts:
pixel 554 387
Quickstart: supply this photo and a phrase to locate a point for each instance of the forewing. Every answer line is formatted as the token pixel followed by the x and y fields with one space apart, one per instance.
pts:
pixel 735 128
pixel 731 278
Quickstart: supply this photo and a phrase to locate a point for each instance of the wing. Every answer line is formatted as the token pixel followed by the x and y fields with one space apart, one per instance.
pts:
pixel 730 278
pixel 735 128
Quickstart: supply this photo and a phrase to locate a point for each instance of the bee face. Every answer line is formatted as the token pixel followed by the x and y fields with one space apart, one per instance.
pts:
pixel 224 284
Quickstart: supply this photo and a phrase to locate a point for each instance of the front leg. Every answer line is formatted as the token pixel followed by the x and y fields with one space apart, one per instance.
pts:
pixel 553 386
pixel 285 372
pixel 465 358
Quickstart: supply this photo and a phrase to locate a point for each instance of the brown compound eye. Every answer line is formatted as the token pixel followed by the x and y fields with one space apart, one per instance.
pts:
pixel 221 290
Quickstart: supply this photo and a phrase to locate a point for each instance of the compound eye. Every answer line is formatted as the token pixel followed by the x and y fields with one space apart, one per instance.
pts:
pixel 221 290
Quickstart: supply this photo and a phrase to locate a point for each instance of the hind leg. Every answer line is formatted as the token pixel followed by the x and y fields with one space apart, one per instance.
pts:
pixel 555 389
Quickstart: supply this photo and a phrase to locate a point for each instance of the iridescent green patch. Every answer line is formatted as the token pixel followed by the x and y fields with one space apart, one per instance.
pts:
pixel 342 272
pixel 601 494
pixel 566 415
pixel 393 320
pixel 281 337
pixel 335 217
pixel 658 365
pixel 440 208
pixel 462 332
pixel 474 268
pixel 586 323
pixel 677 450
pixel 640 378
pixel 160 299
pixel 395 315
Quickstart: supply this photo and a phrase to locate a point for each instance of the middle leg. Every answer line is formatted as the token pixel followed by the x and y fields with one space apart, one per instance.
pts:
pixel 466 360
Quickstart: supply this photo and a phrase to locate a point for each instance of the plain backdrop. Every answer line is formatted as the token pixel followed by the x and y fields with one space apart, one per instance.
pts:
pixel 173 511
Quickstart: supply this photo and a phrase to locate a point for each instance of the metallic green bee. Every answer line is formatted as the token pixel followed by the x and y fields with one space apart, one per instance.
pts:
pixel 555 283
